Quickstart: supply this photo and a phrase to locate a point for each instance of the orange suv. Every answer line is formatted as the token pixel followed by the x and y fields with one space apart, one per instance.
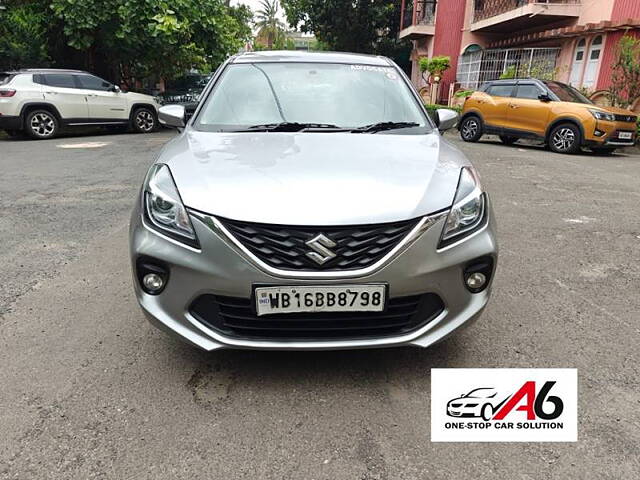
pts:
pixel 550 111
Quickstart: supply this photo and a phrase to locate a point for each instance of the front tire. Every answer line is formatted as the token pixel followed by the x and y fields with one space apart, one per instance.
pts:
pixel 565 138
pixel 41 124
pixel 144 120
pixel 471 129
pixel 486 412
pixel 508 140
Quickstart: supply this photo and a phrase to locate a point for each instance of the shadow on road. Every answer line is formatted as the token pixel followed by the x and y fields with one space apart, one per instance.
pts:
pixel 78 133
pixel 339 368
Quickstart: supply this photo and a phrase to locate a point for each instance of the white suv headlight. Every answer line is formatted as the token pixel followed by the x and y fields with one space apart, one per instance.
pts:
pixel 164 207
pixel 467 212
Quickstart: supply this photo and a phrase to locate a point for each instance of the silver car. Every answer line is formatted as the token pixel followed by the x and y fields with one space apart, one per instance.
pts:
pixel 311 202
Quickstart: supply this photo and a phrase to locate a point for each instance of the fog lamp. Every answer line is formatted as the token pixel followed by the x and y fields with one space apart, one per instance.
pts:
pixel 598 133
pixel 152 274
pixel 153 282
pixel 478 273
pixel 476 281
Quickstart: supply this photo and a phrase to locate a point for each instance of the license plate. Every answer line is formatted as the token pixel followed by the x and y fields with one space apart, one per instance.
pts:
pixel 625 135
pixel 325 298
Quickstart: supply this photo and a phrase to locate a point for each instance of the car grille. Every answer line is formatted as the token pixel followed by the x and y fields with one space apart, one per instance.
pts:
pixel 626 118
pixel 236 317
pixel 285 248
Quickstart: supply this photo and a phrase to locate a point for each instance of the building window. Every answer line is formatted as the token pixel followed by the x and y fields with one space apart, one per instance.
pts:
pixel 578 63
pixel 469 67
pixel 584 69
pixel 476 67
pixel 593 61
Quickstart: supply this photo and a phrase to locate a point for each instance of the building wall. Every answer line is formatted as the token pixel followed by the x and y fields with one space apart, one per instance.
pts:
pixel 450 20
pixel 622 10
pixel 563 64
pixel 468 37
pixel 452 37
pixel 595 11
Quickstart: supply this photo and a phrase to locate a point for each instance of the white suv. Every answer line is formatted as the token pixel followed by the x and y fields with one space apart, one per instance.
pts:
pixel 41 101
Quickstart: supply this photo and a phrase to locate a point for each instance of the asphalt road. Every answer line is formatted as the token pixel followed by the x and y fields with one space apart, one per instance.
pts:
pixel 88 389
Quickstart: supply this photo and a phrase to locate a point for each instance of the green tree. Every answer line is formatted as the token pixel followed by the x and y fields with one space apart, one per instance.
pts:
pixel 269 25
pixel 283 42
pixel 510 73
pixel 625 75
pixel 363 26
pixel 435 65
pixel 123 39
pixel 23 36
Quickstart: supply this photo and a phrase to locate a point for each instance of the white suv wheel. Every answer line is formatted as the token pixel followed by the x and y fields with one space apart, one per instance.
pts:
pixel 41 124
pixel 144 121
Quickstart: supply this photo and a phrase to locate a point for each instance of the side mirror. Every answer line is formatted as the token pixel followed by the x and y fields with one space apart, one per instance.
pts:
pixel 115 89
pixel 446 119
pixel 172 115
pixel 543 97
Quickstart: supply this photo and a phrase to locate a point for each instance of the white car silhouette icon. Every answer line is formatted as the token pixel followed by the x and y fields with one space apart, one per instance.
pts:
pixel 480 402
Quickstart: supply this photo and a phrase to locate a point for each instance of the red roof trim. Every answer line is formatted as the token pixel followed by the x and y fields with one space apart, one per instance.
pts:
pixel 568 32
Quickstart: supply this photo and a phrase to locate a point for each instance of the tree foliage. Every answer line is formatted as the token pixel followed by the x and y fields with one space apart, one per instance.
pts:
pixel 121 39
pixel 435 65
pixel 270 27
pixel 625 75
pixel 363 26
pixel 23 35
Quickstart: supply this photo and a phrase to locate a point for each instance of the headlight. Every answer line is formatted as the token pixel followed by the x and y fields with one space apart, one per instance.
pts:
pixel 609 117
pixel 164 207
pixel 467 212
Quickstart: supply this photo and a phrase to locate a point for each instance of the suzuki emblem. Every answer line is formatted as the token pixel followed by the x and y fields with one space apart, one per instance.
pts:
pixel 321 245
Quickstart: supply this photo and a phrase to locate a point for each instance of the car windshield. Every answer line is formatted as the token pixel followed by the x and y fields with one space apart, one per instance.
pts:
pixel 567 93
pixel 481 393
pixel 327 95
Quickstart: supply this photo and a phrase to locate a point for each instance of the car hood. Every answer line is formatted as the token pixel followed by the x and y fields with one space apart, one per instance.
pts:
pixel 614 110
pixel 140 97
pixel 314 178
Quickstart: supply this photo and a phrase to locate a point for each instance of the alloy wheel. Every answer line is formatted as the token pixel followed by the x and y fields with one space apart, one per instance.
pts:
pixel 43 125
pixel 469 129
pixel 145 121
pixel 564 139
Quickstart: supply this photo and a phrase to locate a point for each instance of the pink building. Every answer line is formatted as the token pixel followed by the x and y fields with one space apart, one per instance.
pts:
pixel 572 40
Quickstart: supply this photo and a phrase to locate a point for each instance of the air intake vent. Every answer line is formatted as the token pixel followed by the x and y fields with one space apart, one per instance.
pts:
pixel 236 317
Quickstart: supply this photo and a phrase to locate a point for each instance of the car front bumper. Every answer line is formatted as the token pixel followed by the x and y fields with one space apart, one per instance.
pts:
pixel 219 268
pixel 464 412
pixel 609 134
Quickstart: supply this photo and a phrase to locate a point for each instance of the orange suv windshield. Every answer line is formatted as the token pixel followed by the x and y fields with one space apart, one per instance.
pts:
pixel 567 93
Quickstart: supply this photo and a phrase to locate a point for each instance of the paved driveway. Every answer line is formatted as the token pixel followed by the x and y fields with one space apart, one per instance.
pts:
pixel 90 390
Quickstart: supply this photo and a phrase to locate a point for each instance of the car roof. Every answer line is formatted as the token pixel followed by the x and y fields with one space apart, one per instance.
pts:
pixel 45 70
pixel 514 80
pixel 274 56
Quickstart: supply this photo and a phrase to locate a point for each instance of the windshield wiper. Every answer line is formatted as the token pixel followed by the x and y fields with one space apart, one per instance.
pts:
pixel 379 127
pixel 287 127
